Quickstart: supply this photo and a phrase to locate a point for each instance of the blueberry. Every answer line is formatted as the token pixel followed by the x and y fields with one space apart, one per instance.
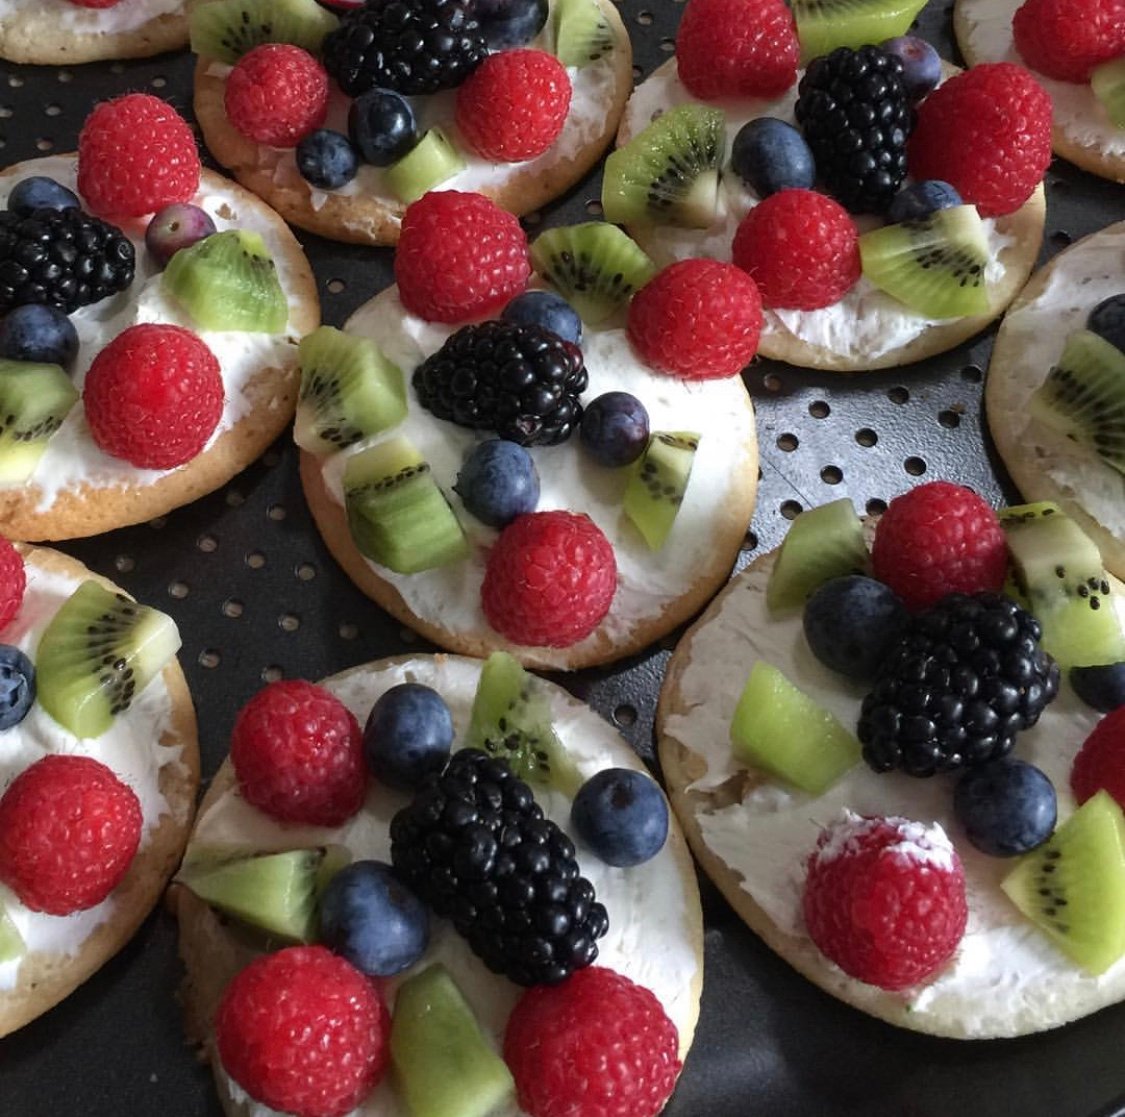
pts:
pixel 327 159
pixel 1102 688
pixel 770 155
pixel 40 192
pixel 614 428
pixel 851 623
pixel 1107 320
pixel 546 309
pixel 381 126
pixel 921 64
pixel 17 686
pixel 920 199
pixel 1006 807
pixel 408 734
pixel 510 23
pixel 498 482
pixel 176 226
pixel 372 920
pixel 38 333
pixel 621 815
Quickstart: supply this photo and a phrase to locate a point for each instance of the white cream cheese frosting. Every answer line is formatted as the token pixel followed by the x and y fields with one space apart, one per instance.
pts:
pixel 126 15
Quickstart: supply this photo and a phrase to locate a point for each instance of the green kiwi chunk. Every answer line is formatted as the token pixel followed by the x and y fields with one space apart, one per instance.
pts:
pixel 397 515
pixel 824 25
pixel 657 482
pixel 934 265
pixel 34 401
pixel 511 719
pixel 98 652
pixel 226 30
pixel 12 945
pixel 1083 397
pixel 349 391
pixel 1108 84
pixel 444 1066
pixel 669 173
pixel 594 266
pixel 228 281
pixel 582 32
pixel 822 543
pixel 781 730
pixel 1058 571
pixel 1073 886
pixel 429 162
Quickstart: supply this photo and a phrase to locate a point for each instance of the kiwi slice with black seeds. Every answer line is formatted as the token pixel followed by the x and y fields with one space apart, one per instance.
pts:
pixel 429 162
pixel 824 25
pixel 226 29
pixel 1108 84
pixel 582 33
pixel 657 483
pixel 34 401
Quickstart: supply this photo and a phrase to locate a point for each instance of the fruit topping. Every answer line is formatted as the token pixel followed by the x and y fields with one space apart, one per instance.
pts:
pixel 522 382
pixel 17 686
pixel 276 94
pixel 298 754
pixel 966 676
pixel 771 155
pixel 546 309
pixel 697 319
pixel 136 154
pixel 986 131
pixel 12 945
pixel 429 162
pixel 851 623
pixel 1006 807
pixel 1100 762
pixel 581 31
pixel 459 256
pixel 1101 686
pixel 1107 320
pixel 497 482
pixel 510 23
pixel 1066 39
pixel 226 29
pixel 326 159
pixel 382 126
pixel 556 1041
pixel 408 735
pixel 920 199
pixel 1073 886
pixel 1108 83
pixel 177 226
pixel 615 429
pixel 657 483
pixel 34 401
pixel 823 26
pixel 303 1032
pixel 40 192
pixel 885 899
pixel 621 814
pixel 13 582
pixel 921 64
pixel 69 829
pixel 154 395
pixel 97 653
pixel 476 847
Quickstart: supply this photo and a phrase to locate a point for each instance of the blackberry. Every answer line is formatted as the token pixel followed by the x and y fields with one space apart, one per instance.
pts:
pixel 523 382
pixel 63 258
pixel 965 677
pixel 474 845
pixel 412 46
pixel 855 112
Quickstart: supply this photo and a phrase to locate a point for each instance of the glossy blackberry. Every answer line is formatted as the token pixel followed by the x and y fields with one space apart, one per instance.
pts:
pixel 475 846
pixel 854 109
pixel 412 46
pixel 523 382
pixel 964 679
pixel 63 258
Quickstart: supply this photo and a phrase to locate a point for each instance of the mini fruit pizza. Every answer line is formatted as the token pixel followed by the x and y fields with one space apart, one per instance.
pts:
pixel 1053 394
pixel 884 215
pixel 1076 49
pixel 475 929
pixel 99 766
pixel 498 466
pixel 149 319
pixel 896 766
pixel 339 123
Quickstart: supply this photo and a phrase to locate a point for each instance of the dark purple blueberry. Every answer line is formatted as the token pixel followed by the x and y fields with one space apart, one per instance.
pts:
pixel 17 686
pixel 326 159
pixel 1102 687
pixel 921 64
pixel 614 429
pixel 372 920
pixel 1006 806
pixel 408 735
pixel 1107 320
pixel 40 192
pixel 177 226
pixel 498 482
pixel 852 622
pixel 382 127
pixel 621 815
pixel 38 333
pixel 546 309
pixel 770 155
pixel 510 23
pixel 920 199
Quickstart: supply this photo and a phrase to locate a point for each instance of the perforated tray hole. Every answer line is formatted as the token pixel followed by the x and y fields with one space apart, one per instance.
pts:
pixel 288 622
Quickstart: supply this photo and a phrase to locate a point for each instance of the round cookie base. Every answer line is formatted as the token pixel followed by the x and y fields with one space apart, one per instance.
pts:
pixel 34 37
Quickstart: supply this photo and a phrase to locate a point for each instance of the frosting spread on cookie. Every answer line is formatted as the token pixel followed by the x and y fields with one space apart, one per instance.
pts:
pixel 126 15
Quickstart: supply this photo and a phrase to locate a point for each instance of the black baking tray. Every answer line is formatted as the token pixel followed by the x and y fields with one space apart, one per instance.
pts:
pixel 257 597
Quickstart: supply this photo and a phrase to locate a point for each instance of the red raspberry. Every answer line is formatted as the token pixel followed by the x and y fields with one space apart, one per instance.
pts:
pixel 513 105
pixel 737 48
pixel 153 396
pixel 136 155
pixel 1066 39
pixel 13 582
pixel 69 829
pixel 1101 760
pixel 303 1032
pixel 550 579
pixel 885 899
pixel 598 1045
pixel 801 247
pixel 986 131
pixel 938 539
pixel 460 256
pixel 298 753
pixel 697 319
pixel 277 94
